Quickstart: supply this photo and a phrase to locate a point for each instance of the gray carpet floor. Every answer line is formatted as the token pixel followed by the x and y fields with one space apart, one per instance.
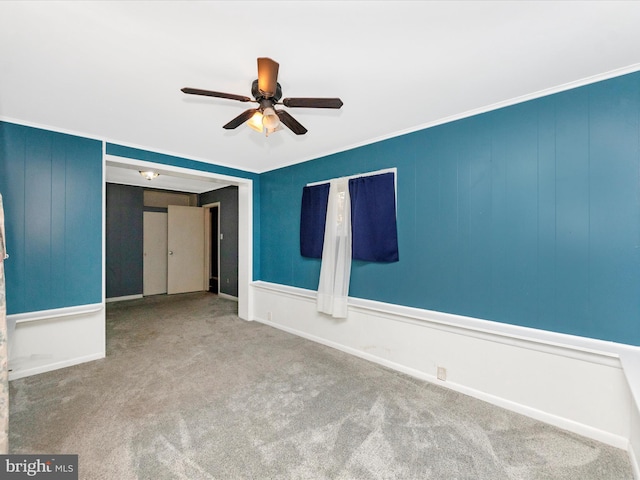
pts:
pixel 190 391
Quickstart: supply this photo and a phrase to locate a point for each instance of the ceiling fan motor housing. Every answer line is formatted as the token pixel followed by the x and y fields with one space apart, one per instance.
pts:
pixel 258 95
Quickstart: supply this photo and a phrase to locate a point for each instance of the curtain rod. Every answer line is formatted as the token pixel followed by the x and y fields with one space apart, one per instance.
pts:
pixel 367 174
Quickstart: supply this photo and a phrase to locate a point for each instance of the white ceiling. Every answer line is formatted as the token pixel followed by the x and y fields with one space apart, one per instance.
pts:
pixel 168 179
pixel 113 70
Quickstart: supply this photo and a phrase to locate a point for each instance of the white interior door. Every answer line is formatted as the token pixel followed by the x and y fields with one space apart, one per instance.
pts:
pixel 185 254
pixel 154 262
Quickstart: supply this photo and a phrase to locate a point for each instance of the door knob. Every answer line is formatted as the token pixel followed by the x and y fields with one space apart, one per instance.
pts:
pixel 170 252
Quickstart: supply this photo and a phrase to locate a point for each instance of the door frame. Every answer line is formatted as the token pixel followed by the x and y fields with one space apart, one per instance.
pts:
pixel 245 219
pixel 208 241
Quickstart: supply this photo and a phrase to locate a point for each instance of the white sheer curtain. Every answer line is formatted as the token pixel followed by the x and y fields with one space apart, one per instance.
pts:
pixel 4 384
pixel 335 272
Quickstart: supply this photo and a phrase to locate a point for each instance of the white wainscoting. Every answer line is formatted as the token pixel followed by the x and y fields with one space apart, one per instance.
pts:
pixel 630 357
pixel 575 383
pixel 586 386
pixel 634 441
pixel 48 340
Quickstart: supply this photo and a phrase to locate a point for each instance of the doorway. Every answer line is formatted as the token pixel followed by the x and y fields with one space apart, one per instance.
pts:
pixel 245 212
pixel 173 251
pixel 214 249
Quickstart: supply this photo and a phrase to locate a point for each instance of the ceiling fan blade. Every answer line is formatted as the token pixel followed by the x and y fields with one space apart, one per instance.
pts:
pixel 267 76
pixel 211 93
pixel 313 102
pixel 240 119
pixel 291 122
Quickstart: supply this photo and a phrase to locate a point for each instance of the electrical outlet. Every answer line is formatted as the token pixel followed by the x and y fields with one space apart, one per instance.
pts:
pixel 269 316
pixel 442 374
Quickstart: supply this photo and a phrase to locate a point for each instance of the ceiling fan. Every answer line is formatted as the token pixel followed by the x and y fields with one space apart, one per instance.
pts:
pixel 266 93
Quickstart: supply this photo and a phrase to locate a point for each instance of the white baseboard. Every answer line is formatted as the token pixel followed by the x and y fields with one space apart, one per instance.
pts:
pixel 634 440
pixel 52 339
pixel 227 296
pixel 123 298
pixel 44 363
pixel 570 382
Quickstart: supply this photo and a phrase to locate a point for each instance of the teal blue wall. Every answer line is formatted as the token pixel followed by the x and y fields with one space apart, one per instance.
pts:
pixel 528 215
pixel 51 186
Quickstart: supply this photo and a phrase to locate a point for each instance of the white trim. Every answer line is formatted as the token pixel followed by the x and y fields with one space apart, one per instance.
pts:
pixel 54 366
pixel 104 222
pixel 598 351
pixel 123 298
pixel 549 342
pixel 103 236
pixel 245 250
pixel 55 313
pixel 227 296
pixel 630 359
pixel 50 339
pixel 618 441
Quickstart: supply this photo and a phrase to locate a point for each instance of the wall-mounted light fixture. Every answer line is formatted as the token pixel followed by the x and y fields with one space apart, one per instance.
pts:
pixel 149 174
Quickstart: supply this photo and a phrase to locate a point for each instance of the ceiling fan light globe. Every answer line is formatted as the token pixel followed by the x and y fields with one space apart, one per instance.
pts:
pixel 270 119
pixel 255 122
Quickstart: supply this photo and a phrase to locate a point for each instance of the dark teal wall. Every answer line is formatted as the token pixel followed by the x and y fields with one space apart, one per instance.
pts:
pixel 228 198
pixel 528 215
pixel 51 185
pixel 124 242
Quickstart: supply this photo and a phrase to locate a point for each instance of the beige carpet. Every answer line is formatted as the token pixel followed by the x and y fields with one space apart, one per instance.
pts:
pixel 190 391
